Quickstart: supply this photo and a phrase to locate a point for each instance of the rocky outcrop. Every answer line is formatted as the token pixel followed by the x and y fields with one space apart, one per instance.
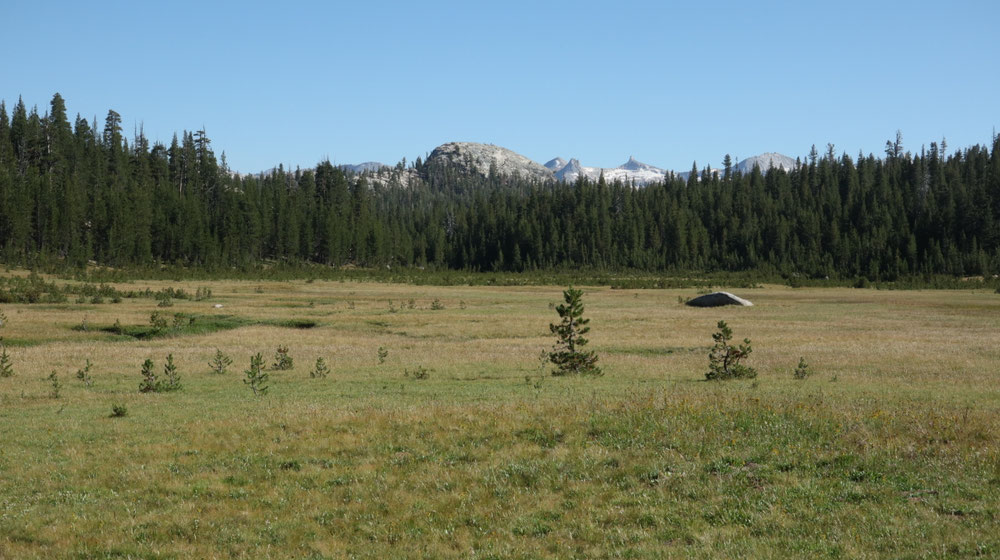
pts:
pixel 766 162
pixel 718 299
pixel 480 158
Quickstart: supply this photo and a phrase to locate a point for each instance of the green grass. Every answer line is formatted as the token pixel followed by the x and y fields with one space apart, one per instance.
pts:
pixel 492 457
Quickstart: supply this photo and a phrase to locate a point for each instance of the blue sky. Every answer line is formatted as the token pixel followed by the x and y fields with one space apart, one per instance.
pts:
pixel 669 83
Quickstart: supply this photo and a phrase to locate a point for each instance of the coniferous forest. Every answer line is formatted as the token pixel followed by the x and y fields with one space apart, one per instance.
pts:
pixel 75 192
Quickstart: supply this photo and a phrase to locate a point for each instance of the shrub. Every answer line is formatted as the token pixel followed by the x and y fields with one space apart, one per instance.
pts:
pixel 436 305
pixel 256 376
pixel 320 370
pixel 118 411
pixel 802 370
pixel 181 320
pixel 382 354
pixel 149 381
pixel 55 385
pixel 220 362
pixel 566 353
pixel 6 364
pixel 419 372
pixel 724 359
pixel 157 321
pixel 172 381
pixel 282 360
pixel 83 374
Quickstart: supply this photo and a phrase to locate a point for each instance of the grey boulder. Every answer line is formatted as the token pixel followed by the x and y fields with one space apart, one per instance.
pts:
pixel 718 299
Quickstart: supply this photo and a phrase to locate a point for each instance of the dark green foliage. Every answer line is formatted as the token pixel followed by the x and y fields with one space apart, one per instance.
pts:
pixel 172 379
pixel 72 194
pixel 321 370
pixel 566 353
pixel 382 354
pixel 83 374
pixel 220 362
pixel 256 376
pixel 118 411
pixel 419 372
pixel 282 360
pixel 54 385
pixel 150 382
pixel 157 321
pixel 6 364
pixel 724 359
pixel 801 370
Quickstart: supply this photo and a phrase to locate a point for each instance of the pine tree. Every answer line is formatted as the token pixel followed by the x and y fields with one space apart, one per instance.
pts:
pixel 566 354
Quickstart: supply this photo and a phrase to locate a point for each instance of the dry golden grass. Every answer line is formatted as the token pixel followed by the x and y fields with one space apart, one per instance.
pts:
pixel 889 450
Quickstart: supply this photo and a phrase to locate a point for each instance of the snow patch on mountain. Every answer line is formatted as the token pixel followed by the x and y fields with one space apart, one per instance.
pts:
pixel 630 171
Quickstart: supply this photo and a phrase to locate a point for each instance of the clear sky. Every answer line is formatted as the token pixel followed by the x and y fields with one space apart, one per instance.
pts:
pixel 667 82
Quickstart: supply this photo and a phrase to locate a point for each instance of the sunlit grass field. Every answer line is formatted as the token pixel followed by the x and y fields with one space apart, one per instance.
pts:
pixel 889 450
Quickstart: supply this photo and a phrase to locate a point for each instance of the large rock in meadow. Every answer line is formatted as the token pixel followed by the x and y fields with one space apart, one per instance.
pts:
pixel 718 299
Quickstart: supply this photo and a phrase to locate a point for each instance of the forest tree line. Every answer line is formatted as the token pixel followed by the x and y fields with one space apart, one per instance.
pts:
pixel 74 193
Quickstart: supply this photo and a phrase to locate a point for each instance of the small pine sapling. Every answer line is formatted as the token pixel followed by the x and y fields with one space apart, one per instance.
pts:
pixel 321 370
pixel 382 354
pixel 172 379
pixel 6 364
pixel 149 383
pixel 566 353
pixel 55 385
pixel 157 321
pixel 724 359
pixel 220 362
pixel 802 370
pixel 118 411
pixel 83 374
pixel 256 376
pixel 282 360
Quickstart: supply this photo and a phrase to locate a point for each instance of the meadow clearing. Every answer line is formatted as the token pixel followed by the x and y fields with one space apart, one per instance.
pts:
pixel 889 449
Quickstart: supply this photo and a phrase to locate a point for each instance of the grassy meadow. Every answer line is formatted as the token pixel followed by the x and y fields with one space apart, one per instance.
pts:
pixel 889 450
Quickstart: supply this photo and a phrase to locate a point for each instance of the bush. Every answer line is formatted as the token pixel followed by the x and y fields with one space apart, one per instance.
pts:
pixel 724 359
pixel 83 374
pixel 256 377
pixel 566 353
pixel 320 370
pixel 382 354
pixel 220 362
pixel 420 372
pixel 173 378
pixel 118 411
pixel 6 364
pixel 282 360
pixel 55 385
pixel 151 383
pixel 157 321
pixel 802 370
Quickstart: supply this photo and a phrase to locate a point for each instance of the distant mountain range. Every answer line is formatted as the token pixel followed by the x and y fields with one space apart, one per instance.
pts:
pixel 484 158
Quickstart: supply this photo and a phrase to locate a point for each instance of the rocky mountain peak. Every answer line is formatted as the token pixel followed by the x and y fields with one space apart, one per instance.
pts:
pixel 480 158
